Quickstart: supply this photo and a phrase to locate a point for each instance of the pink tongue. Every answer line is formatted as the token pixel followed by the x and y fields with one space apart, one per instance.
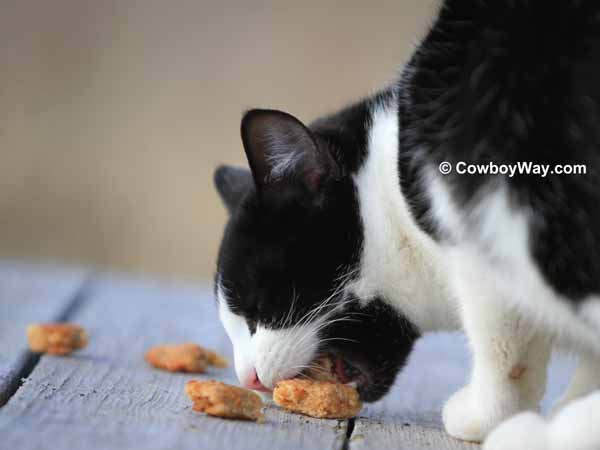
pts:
pixel 340 371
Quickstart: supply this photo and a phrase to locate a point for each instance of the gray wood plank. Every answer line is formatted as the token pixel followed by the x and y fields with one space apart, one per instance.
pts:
pixel 384 434
pixel 410 416
pixel 29 293
pixel 106 397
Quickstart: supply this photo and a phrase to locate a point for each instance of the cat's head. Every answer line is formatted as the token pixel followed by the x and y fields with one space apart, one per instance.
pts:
pixel 290 253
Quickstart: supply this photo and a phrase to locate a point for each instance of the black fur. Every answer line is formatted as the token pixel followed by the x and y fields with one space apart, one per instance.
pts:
pixel 381 340
pixel 494 80
pixel 508 81
pixel 233 183
pixel 296 236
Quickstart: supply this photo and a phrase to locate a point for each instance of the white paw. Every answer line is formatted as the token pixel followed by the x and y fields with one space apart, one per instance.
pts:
pixel 470 414
pixel 575 427
pixel 523 431
pixel 570 397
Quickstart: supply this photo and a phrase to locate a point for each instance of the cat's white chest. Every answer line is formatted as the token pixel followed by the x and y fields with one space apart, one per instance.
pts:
pixel 399 262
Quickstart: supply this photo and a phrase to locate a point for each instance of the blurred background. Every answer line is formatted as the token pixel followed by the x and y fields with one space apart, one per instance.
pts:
pixel 114 113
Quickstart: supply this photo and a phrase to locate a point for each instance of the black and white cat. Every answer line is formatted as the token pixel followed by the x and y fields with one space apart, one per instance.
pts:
pixel 345 236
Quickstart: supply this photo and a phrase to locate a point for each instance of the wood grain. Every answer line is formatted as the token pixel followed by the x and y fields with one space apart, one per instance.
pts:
pixel 106 397
pixel 29 294
pixel 410 416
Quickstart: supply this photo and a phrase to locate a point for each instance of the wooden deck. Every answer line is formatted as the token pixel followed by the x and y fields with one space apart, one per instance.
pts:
pixel 106 397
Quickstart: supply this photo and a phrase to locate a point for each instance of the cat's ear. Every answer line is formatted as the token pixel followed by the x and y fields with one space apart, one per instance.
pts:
pixel 282 151
pixel 232 183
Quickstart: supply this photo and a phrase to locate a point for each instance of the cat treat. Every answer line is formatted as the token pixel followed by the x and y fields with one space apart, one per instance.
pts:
pixel 190 358
pixel 223 400
pixel 56 338
pixel 216 360
pixel 322 399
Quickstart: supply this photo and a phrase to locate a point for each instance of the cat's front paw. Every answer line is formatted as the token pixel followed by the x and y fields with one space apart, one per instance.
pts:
pixel 523 431
pixel 462 418
pixel 470 414
pixel 575 427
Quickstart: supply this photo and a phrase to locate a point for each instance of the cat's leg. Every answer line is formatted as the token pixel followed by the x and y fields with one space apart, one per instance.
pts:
pixel 509 363
pixel 508 376
pixel 575 427
pixel 586 379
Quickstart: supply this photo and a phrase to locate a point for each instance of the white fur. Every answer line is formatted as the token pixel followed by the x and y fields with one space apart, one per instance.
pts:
pixel 585 380
pixel 274 354
pixel 509 312
pixel 590 311
pixel 244 352
pixel 284 353
pixel 283 163
pixel 399 262
pixel 509 361
pixel 485 279
pixel 574 428
pixel 492 238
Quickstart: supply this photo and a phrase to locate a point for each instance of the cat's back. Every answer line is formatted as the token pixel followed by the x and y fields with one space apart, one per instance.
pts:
pixel 510 82
pixel 506 80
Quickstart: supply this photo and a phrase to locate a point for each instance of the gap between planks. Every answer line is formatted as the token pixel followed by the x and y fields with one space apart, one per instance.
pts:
pixel 107 394
pixel 349 431
pixel 29 360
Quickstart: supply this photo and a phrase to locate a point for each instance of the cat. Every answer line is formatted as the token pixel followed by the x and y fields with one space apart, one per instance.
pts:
pixel 357 233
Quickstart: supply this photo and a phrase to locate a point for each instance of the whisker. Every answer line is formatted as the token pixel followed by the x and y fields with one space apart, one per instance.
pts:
pixel 332 304
pixel 320 327
pixel 338 339
pixel 290 312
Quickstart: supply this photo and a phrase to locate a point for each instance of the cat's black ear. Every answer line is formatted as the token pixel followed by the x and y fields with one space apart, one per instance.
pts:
pixel 281 151
pixel 232 183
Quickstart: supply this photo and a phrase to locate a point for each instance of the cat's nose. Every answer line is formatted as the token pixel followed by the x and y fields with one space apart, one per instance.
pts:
pixel 253 382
